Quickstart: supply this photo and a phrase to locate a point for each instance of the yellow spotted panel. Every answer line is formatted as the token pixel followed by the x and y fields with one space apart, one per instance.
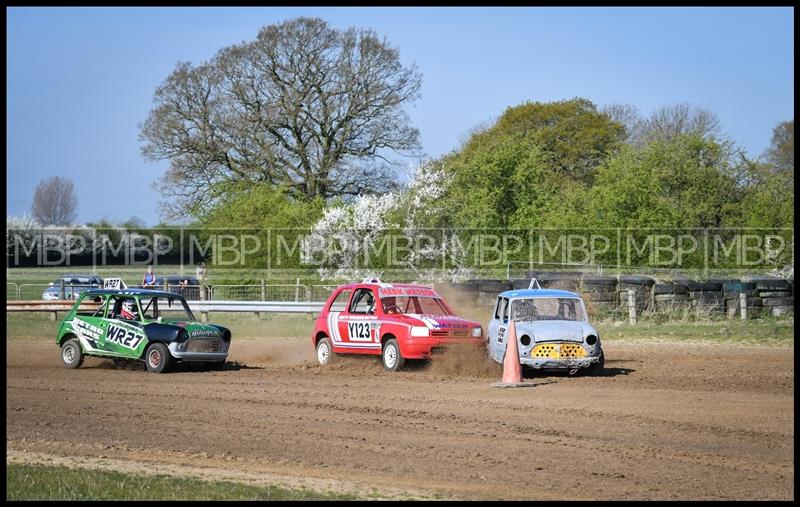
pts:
pixel 558 351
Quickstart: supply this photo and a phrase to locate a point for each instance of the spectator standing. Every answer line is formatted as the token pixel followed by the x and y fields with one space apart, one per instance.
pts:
pixel 149 279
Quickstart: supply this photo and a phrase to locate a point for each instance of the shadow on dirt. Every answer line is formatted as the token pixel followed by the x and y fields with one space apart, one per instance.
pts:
pixel 132 365
pixel 606 372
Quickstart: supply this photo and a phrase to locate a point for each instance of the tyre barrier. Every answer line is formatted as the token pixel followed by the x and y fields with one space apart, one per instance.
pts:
pixel 763 295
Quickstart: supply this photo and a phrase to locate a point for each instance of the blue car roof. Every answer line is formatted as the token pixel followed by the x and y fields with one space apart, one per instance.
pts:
pixel 538 293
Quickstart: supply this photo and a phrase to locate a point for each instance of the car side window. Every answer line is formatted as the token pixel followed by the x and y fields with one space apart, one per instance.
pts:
pixel 363 302
pixel 501 311
pixel 340 303
pixel 97 311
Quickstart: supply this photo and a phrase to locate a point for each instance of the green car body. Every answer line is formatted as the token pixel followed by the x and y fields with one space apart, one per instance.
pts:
pixel 162 331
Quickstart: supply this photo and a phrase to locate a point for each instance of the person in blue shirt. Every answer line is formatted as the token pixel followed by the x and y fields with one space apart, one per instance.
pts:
pixel 149 279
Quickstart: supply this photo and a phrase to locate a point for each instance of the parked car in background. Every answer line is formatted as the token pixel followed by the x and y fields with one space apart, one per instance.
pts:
pixel 186 286
pixel 74 286
pixel 553 330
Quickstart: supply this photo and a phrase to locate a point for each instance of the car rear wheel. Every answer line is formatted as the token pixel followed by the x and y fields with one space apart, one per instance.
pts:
pixel 324 351
pixel 392 360
pixel 71 354
pixel 157 358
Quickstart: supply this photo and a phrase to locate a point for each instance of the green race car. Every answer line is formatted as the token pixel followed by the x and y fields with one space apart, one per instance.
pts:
pixel 156 327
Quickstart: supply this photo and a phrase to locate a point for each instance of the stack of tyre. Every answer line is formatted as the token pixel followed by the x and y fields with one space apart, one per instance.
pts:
pixel 488 291
pixel 642 287
pixel 777 295
pixel 706 298
pixel 564 280
pixel 600 292
pixel 670 297
pixel 732 290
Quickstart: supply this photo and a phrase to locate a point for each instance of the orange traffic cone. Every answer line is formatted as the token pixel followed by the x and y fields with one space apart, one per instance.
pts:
pixel 512 369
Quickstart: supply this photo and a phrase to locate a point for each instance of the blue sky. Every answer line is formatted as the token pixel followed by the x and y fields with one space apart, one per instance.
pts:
pixel 79 80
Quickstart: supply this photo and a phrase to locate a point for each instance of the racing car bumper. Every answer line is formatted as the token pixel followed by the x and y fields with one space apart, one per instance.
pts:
pixel 549 363
pixel 184 355
pixel 422 348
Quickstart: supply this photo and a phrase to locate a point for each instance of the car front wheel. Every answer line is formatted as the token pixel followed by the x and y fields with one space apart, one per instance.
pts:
pixel 157 358
pixel 597 368
pixel 392 360
pixel 71 354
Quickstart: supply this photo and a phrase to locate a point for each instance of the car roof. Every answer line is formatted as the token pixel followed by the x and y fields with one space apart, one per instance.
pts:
pixel 130 292
pixel 381 285
pixel 538 293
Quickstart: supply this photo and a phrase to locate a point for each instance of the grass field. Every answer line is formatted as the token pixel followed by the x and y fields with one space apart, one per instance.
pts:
pixel 41 482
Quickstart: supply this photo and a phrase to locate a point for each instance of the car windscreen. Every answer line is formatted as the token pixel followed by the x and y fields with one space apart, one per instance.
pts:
pixel 535 309
pixel 166 307
pixel 415 304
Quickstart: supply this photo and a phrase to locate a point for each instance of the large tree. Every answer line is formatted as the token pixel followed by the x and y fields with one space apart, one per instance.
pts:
pixel 54 202
pixel 316 110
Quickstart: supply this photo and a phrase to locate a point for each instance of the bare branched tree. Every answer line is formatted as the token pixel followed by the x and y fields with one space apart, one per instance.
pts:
pixel 54 202
pixel 304 106
pixel 629 116
pixel 668 122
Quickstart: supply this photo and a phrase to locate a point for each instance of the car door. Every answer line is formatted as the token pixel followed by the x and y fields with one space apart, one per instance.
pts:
pixel 357 323
pixel 498 329
pixel 123 337
pixel 89 325
pixel 338 306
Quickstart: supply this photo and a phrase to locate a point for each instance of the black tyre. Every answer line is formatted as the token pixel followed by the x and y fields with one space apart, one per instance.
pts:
pixel 601 297
pixel 520 283
pixel 669 288
pixel 737 286
pixel 392 359
pixel 599 280
pixel 777 302
pixel 493 287
pixel 775 294
pixel 638 288
pixel 597 368
pixel 773 285
pixel 71 354
pixel 599 288
pixel 324 351
pixel 157 358
pixel 636 280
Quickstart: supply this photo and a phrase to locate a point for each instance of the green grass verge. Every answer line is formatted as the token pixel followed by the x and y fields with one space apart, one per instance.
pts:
pixel 44 482
pixel 762 332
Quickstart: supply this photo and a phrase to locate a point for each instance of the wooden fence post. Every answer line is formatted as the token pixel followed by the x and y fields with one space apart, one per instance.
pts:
pixel 743 305
pixel 203 315
pixel 631 306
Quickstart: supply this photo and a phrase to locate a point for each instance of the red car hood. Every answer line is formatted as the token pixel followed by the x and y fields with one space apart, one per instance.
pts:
pixel 443 322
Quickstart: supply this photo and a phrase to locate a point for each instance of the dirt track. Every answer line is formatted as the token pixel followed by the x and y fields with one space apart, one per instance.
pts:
pixel 666 422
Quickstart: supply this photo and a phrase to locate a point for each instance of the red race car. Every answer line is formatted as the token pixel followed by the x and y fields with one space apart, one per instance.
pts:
pixel 397 321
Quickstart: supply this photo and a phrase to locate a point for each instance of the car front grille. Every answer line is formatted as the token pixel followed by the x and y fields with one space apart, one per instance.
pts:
pixel 450 333
pixel 204 345
pixel 558 351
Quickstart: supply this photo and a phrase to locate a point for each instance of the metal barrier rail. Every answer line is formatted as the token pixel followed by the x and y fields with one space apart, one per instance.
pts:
pixel 195 306
pixel 12 292
pixel 257 306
